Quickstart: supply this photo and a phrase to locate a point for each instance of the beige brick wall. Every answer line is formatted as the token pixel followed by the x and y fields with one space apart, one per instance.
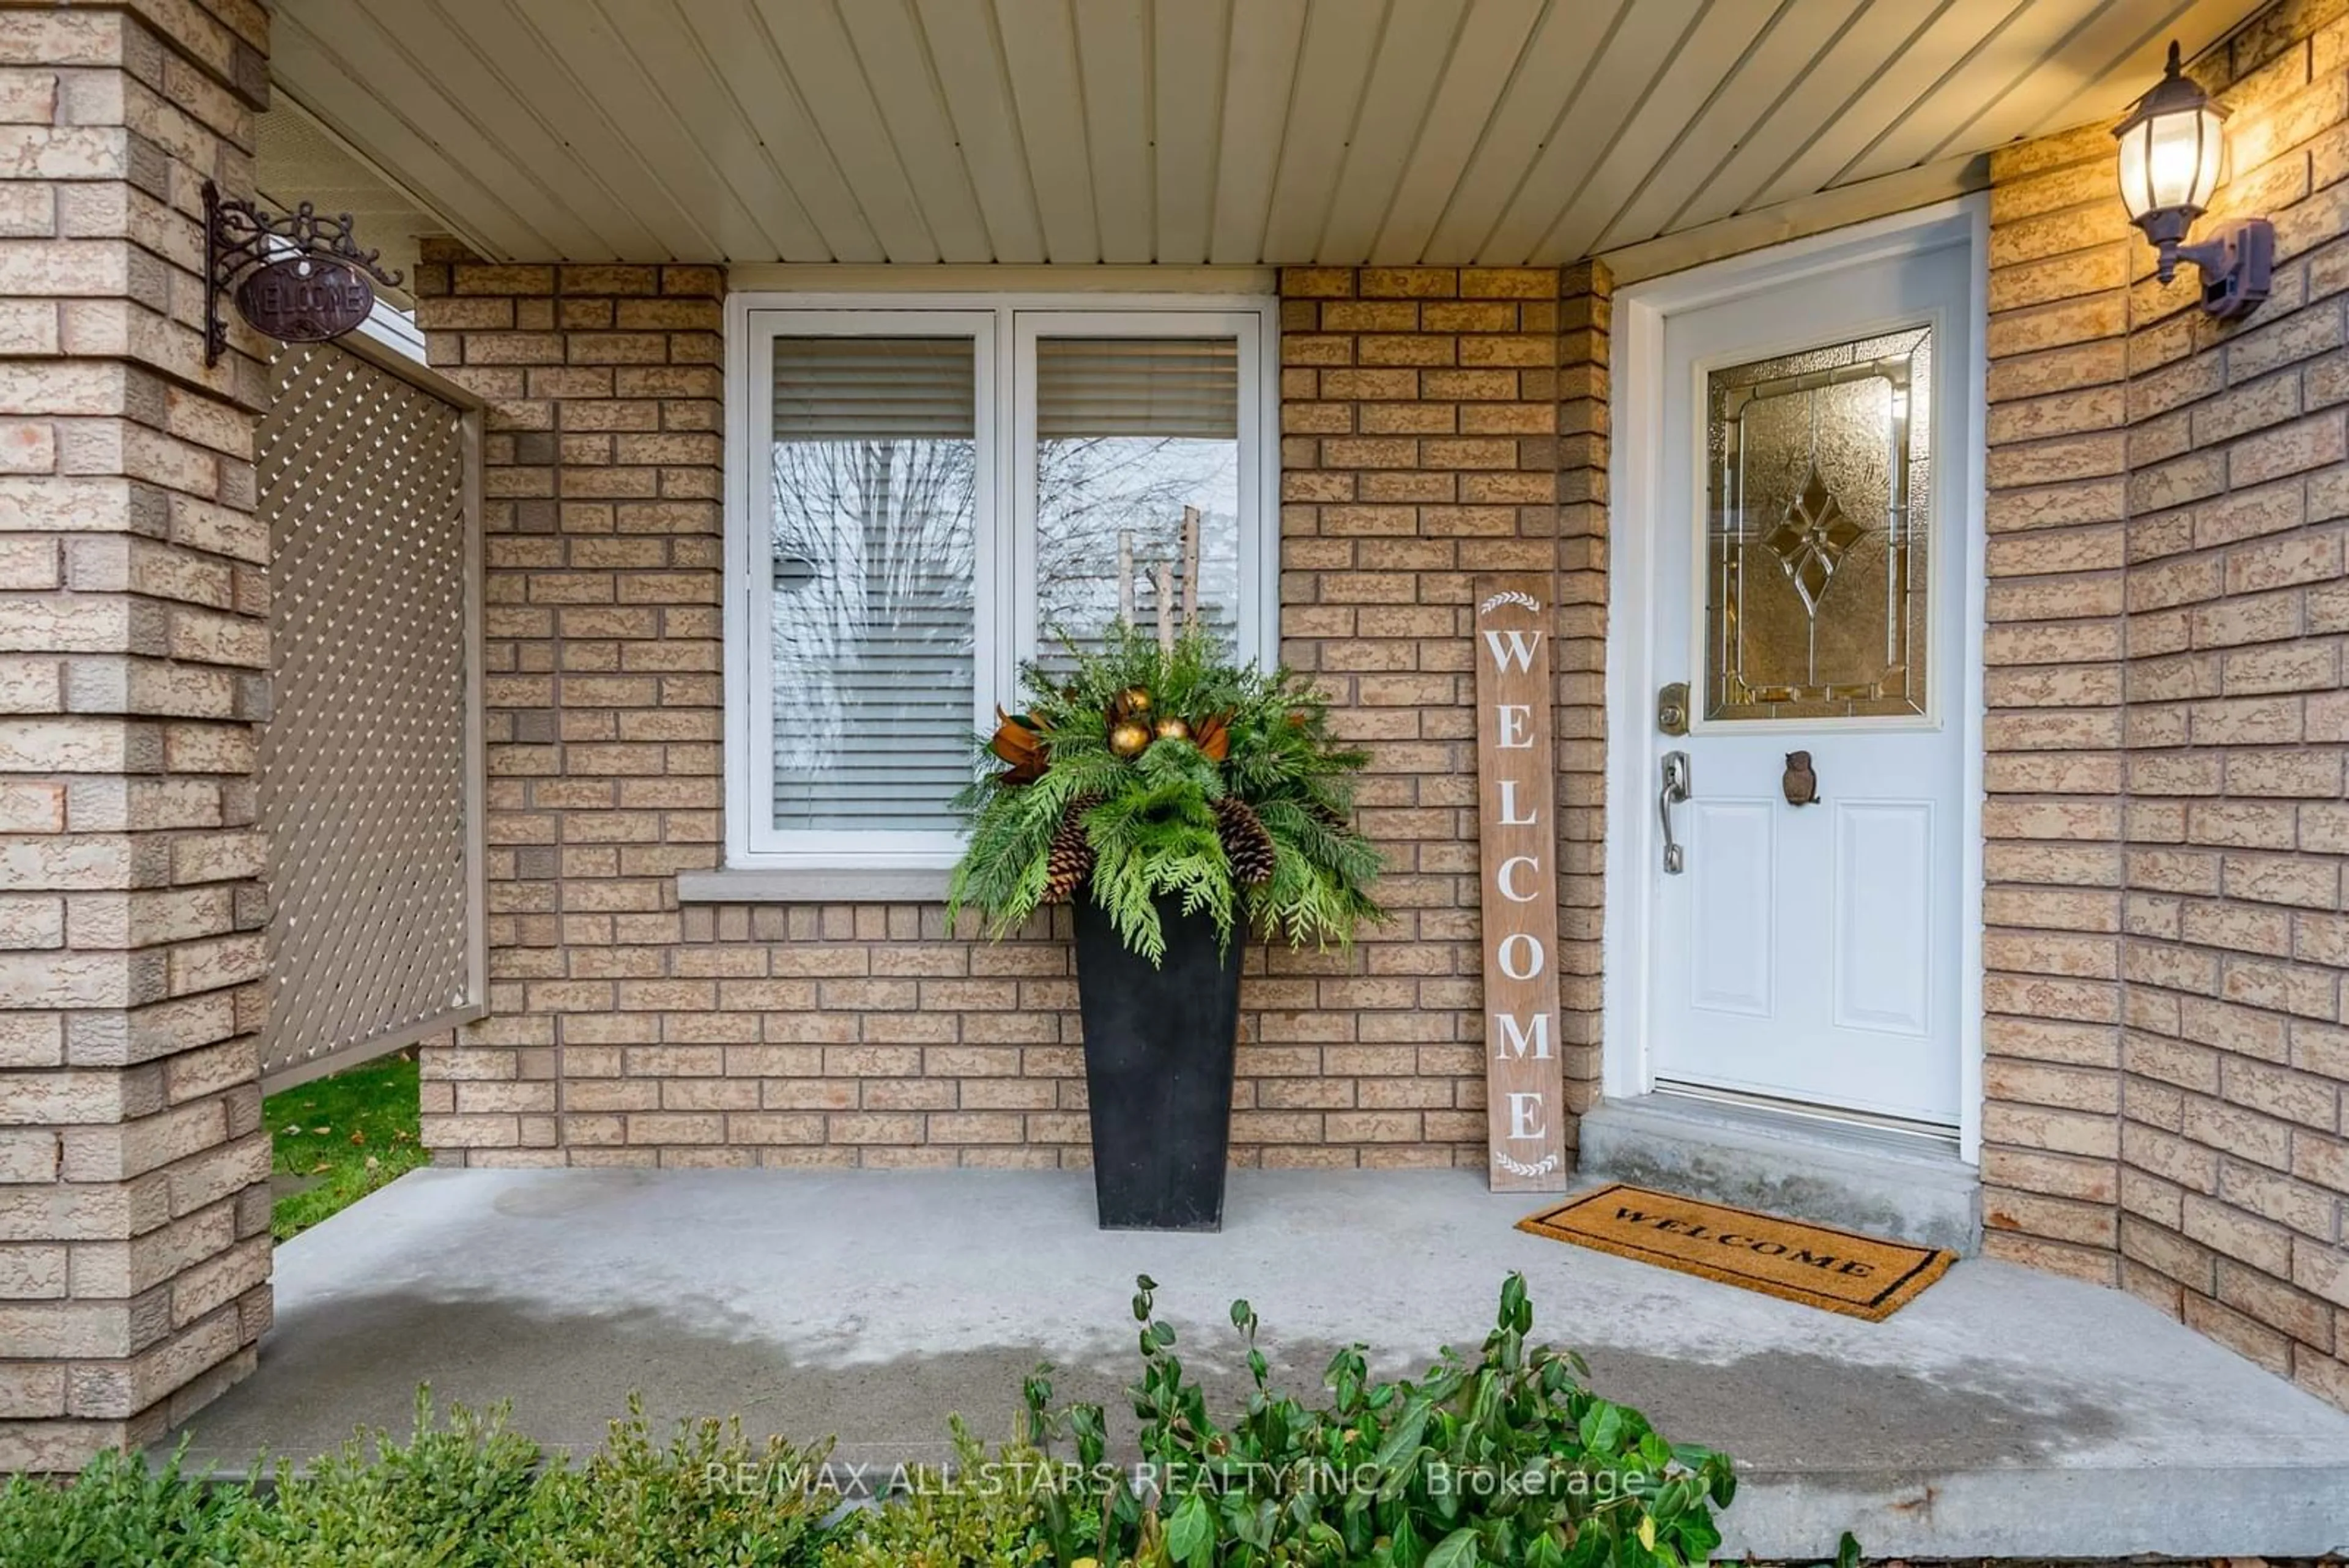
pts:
pixel 2168 730
pixel 1585 323
pixel 1440 423
pixel 134 1207
pixel 1430 429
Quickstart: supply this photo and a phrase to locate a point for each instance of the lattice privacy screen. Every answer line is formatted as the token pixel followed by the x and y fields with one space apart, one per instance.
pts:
pixel 369 764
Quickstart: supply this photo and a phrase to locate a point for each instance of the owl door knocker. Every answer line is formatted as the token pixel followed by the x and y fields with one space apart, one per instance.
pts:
pixel 1802 785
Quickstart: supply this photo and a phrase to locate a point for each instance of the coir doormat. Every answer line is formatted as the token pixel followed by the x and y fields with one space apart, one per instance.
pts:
pixel 1861 1276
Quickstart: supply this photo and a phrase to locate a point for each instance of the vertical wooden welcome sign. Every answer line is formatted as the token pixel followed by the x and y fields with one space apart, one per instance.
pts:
pixel 1516 796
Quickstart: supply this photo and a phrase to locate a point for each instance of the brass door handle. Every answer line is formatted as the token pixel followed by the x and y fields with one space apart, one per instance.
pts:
pixel 1675 790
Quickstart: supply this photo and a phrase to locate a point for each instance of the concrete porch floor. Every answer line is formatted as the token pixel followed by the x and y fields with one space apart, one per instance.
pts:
pixel 2005 1413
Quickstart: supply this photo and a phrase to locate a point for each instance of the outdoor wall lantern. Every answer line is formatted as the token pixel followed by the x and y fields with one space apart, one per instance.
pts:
pixel 2172 146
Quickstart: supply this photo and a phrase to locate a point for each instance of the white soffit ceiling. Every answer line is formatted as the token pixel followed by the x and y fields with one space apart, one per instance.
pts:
pixel 301 160
pixel 1185 131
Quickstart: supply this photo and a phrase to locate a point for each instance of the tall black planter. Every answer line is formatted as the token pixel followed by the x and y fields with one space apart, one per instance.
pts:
pixel 1158 1069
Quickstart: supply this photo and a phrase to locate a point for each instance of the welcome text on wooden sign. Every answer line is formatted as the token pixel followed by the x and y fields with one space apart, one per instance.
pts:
pixel 1517 832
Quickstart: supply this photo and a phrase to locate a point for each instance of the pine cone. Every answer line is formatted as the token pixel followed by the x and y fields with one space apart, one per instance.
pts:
pixel 1247 845
pixel 1069 859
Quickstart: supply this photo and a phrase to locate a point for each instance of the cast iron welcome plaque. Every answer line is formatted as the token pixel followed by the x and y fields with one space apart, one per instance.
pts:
pixel 301 299
pixel 1517 800
pixel 299 278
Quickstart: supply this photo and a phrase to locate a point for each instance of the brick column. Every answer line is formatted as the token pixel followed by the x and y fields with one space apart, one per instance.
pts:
pixel 134 1204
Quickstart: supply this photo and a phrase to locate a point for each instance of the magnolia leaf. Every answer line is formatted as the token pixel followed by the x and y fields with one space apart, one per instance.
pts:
pixel 1405 1435
pixel 1457 1550
pixel 1191 1533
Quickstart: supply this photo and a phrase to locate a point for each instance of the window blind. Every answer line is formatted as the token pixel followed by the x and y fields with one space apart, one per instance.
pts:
pixel 875 510
pixel 1162 387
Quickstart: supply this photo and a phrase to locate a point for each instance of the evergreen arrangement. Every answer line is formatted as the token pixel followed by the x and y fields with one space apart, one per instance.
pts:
pixel 1159 768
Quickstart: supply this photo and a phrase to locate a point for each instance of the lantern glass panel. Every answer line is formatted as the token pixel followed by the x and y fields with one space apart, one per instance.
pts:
pixel 2171 160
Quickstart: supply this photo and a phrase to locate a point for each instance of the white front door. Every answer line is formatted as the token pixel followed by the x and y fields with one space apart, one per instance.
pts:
pixel 1808 572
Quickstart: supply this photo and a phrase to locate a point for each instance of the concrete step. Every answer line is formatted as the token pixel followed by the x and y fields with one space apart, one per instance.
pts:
pixel 2004 1413
pixel 1807 1167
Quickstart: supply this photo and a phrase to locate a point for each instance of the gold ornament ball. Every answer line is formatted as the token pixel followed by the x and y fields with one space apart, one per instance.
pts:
pixel 1135 700
pixel 1173 729
pixel 1128 739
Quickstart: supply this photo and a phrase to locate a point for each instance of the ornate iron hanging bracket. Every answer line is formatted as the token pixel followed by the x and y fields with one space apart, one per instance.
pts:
pixel 299 278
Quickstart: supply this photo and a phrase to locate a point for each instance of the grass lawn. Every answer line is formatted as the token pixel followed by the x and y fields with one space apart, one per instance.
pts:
pixel 350 1133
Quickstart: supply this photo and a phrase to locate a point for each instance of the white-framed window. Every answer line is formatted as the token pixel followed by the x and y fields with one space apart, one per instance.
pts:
pixel 924 492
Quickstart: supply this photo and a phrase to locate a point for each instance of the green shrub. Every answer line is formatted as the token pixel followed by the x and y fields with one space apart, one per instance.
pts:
pixel 709 1500
pixel 1509 1460
pixel 1506 1461
pixel 450 1497
pixel 120 1514
pixel 985 1513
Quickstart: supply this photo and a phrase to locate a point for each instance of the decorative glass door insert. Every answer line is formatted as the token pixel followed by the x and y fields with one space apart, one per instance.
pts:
pixel 1817 533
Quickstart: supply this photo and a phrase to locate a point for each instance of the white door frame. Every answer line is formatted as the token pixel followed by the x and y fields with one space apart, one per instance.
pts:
pixel 1635 479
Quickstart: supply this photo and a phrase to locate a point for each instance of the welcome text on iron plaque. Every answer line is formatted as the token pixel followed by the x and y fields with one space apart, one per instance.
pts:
pixel 1517 838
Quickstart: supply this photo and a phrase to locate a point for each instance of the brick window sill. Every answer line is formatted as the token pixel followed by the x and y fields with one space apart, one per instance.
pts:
pixel 814 885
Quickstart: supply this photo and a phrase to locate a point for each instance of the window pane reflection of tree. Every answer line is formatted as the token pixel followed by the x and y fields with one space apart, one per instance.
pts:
pixel 873 534
pixel 1129 431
